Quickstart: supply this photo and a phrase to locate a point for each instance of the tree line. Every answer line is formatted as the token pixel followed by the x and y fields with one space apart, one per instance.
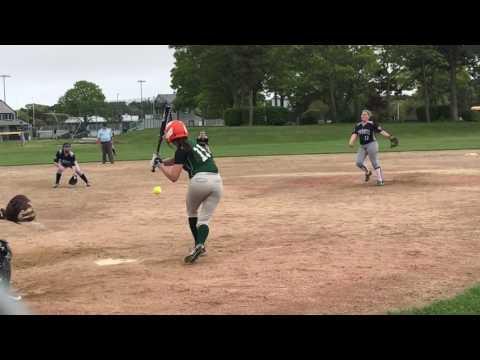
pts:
pixel 84 99
pixel 333 81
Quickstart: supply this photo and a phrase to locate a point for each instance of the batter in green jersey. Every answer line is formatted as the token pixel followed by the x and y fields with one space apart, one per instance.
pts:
pixel 195 159
pixel 206 185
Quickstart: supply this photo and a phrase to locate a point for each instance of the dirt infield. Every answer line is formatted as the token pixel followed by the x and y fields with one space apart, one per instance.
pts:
pixel 293 235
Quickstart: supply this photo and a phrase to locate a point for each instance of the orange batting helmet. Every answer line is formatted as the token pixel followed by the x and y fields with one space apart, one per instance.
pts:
pixel 175 130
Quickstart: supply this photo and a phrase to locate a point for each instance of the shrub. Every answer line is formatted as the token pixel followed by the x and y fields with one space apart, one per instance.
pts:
pixel 469 115
pixel 311 117
pixel 233 117
pixel 277 116
pixel 261 116
pixel 437 113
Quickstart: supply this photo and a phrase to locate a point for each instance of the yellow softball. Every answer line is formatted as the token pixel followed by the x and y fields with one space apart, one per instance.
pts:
pixel 157 190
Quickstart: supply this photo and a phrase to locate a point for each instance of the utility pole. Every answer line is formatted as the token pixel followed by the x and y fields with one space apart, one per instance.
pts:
pixel 141 97
pixel 4 96
pixel 33 118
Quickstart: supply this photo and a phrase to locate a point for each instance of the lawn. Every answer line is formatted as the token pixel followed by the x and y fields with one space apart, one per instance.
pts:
pixel 467 303
pixel 258 141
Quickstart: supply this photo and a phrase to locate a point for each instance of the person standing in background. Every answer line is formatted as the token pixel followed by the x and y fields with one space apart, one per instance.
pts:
pixel 105 138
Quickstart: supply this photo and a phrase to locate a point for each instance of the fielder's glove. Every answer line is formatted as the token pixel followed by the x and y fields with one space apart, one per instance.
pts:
pixel 73 180
pixel 393 142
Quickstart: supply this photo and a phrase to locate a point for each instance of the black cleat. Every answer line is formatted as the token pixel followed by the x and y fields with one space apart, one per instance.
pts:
pixel 196 252
pixel 367 176
pixel 56 186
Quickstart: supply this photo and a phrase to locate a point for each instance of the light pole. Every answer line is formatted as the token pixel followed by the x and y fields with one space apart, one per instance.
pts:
pixel 33 118
pixel 141 96
pixel 116 112
pixel 4 96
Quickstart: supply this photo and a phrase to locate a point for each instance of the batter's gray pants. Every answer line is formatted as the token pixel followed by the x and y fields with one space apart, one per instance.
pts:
pixel 205 190
pixel 370 150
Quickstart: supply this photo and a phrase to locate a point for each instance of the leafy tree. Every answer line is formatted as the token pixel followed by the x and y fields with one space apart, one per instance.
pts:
pixel 84 99
pixel 456 57
pixel 392 77
pixel 423 62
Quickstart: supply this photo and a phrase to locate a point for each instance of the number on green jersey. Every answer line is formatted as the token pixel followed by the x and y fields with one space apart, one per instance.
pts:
pixel 204 153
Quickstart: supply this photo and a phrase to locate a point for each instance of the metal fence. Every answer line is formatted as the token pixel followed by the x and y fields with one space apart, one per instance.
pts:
pixel 52 132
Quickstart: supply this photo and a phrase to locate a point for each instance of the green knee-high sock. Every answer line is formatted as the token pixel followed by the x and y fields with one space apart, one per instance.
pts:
pixel 203 231
pixel 193 227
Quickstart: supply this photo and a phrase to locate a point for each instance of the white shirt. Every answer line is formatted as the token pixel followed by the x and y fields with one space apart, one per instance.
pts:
pixel 104 135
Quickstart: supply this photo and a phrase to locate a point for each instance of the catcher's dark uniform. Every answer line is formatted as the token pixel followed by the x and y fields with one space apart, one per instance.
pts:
pixel 66 160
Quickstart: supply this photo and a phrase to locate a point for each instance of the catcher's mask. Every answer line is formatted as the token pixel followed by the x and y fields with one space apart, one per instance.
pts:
pixel 67 146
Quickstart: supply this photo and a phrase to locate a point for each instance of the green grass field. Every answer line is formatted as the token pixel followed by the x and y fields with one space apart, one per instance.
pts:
pixel 467 303
pixel 258 141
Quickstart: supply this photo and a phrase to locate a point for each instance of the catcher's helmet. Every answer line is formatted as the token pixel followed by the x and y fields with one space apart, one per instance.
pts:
pixel 175 130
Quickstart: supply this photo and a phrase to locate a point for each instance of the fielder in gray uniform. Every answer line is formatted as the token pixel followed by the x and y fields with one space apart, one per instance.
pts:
pixel 365 131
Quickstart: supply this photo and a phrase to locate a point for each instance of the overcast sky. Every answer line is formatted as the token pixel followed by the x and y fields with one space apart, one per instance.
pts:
pixel 42 74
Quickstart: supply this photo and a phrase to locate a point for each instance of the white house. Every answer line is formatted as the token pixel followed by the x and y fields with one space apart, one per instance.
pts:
pixel 96 120
pixel 126 118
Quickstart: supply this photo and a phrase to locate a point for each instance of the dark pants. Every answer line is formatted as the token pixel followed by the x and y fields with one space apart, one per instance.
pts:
pixel 107 150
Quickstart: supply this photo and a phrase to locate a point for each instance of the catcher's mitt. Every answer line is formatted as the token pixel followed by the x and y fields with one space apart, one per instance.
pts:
pixel 394 142
pixel 73 180
pixel 5 264
pixel 19 209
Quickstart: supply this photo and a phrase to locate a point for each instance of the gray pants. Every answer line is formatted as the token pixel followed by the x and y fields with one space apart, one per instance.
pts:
pixel 205 190
pixel 370 150
pixel 107 150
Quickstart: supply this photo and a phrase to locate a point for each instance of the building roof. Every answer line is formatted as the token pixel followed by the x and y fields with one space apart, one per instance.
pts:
pixel 74 120
pixel 188 117
pixel 130 118
pixel 166 98
pixel 12 123
pixel 96 119
pixel 5 109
